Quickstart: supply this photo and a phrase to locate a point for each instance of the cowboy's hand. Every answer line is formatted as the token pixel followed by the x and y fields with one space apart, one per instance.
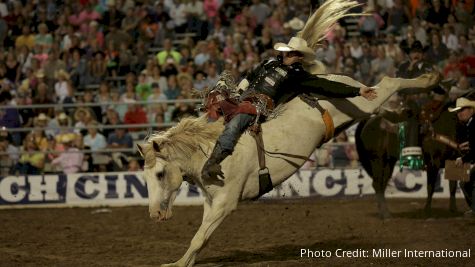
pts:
pixel 464 146
pixel 458 162
pixel 368 93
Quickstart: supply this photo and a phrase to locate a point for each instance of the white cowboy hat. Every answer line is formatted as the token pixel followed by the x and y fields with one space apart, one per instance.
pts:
pixel 461 103
pixel 297 44
pixel 295 24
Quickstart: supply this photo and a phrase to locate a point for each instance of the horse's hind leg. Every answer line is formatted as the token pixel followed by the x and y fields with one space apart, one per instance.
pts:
pixel 382 173
pixel 431 181
pixel 453 190
pixel 214 213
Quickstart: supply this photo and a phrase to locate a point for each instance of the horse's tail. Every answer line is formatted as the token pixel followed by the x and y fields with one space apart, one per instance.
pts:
pixel 361 149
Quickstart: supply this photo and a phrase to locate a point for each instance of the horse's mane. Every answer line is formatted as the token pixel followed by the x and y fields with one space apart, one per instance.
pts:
pixel 183 139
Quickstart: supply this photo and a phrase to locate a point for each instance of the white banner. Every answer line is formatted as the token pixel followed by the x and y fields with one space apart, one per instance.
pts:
pixel 122 189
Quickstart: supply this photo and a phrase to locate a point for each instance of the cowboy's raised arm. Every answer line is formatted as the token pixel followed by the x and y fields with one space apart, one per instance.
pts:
pixel 314 84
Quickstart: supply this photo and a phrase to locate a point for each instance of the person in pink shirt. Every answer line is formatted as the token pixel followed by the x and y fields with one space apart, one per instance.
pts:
pixel 211 9
pixel 71 159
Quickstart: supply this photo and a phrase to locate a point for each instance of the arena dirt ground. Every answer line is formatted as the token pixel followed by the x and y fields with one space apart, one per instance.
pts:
pixel 258 234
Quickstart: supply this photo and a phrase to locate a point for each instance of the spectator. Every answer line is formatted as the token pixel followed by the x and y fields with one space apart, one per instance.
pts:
pixel 82 117
pixel 42 97
pixel 183 110
pixel 130 22
pixel 449 39
pixel 167 52
pixel 31 160
pixel 437 15
pixel 25 39
pixel 93 139
pixel 12 67
pixel 437 51
pixel 119 107
pixel 44 39
pixel 61 87
pixel 119 139
pixel 70 160
pixel 135 115
pixel 97 68
pixel 39 134
pixel 88 98
pixel 370 25
pixel 77 67
pixel 111 119
pixel 173 90
pixel 7 161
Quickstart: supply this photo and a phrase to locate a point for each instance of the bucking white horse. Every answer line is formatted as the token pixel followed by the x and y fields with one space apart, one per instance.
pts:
pixel 182 151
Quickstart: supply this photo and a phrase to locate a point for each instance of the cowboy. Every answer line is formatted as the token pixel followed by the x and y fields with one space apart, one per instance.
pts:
pixel 465 109
pixel 271 81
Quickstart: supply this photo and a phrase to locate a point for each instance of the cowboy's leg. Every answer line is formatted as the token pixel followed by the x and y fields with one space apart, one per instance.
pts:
pixel 225 145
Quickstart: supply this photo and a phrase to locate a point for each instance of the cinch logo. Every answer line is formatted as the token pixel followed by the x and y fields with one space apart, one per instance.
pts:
pixel 72 189
pixel 32 189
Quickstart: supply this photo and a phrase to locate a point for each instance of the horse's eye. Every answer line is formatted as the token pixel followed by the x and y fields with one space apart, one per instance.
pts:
pixel 160 176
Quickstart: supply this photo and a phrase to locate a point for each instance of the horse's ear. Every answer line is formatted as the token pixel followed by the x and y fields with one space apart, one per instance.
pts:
pixel 156 147
pixel 140 150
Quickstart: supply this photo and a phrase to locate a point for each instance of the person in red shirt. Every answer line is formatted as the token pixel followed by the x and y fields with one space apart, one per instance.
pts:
pixel 135 115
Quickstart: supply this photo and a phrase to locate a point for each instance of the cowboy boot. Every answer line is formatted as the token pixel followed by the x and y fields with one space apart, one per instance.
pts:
pixel 212 168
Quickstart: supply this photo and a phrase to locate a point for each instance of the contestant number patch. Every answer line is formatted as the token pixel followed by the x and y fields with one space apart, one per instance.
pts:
pixel 269 81
pixel 282 72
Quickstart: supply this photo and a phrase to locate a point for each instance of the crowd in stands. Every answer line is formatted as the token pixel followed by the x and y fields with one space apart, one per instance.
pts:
pixel 128 55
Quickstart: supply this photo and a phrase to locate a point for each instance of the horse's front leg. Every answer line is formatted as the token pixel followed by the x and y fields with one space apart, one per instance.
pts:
pixel 213 214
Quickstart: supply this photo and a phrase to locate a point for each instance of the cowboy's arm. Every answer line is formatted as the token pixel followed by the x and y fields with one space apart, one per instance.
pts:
pixel 325 87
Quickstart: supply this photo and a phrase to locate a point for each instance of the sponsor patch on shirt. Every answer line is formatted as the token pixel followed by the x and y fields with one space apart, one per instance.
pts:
pixel 269 81
pixel 282 72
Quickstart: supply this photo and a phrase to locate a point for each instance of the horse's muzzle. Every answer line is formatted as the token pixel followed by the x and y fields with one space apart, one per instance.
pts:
pixel 161 215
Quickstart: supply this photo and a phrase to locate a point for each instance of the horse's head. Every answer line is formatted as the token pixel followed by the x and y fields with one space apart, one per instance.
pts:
pixel 163 178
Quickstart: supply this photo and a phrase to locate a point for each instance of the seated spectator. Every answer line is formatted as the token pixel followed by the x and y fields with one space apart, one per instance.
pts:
pixel 61 87
pixel 143 88
pixel 38 134
pixel 7 161
pixel 173 90
pixel 41 97
pixel 44 38
pixel 168 51
pixel 32 161
pixel 77 67
pixel 183 110
pixel 133 166
pixel 94 139
pixel 70 160
pixel 119 139
pixel 88 98
pixel 120 107
pixel 26 38
pixel 111 119
pixel 129 94
pixel 82 117
pixel 200 82
pixel 135 115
